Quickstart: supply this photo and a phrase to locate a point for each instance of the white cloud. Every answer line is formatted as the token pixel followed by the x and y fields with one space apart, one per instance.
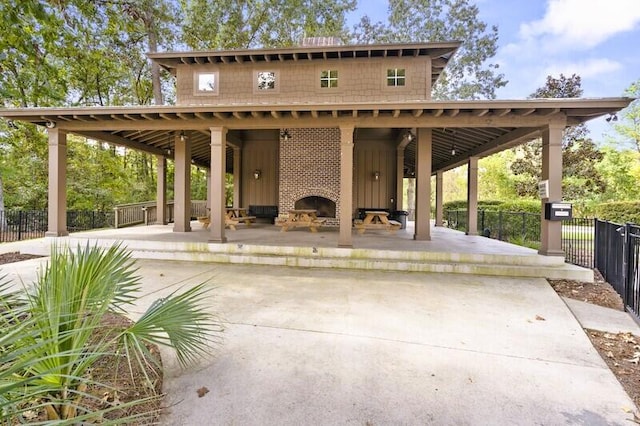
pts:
pixel 585 69
pixel 583 24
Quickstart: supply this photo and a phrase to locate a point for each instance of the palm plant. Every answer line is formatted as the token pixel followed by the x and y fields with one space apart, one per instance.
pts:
pixel 51 340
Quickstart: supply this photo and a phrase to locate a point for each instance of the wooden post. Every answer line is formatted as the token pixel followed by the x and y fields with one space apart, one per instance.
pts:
pixel 57 183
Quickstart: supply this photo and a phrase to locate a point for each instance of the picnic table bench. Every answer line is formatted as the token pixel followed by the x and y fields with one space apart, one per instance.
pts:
pixel 376 220
pixel 305 218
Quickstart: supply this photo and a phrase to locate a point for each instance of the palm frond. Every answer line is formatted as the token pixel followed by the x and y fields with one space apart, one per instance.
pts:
pixel 180 321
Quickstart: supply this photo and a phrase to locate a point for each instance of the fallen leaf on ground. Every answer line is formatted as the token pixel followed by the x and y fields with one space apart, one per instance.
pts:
pixel 539 318
pixel 202 391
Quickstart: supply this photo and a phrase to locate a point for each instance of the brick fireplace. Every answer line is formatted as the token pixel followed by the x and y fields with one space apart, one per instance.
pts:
pixel 310 167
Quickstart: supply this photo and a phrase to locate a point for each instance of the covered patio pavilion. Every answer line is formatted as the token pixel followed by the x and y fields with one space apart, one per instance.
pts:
pixel 425 131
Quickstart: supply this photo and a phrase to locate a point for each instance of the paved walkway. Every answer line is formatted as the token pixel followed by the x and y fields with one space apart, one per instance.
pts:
pixel 307 346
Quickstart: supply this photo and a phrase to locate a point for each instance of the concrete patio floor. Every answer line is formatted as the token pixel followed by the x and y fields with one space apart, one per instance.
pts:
pixel 449 251
pixel 443 239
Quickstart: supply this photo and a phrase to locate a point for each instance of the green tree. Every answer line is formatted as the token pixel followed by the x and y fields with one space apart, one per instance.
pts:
pixel 629 125
pixel 495 179
pixel 469 74
pixel 580 154
pixel 211 24
pixel 621 171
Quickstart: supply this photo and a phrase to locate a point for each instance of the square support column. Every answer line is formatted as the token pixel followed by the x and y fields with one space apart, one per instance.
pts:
pixel 472 196
pixel 57 208
pixel 217 195
pixel 182 185
pixel 237 177
pixel 346 186
pixel 161 190
pixel 551 231
pixel 207 203
pixel 399 179
pixel 439 198
pixel 423 183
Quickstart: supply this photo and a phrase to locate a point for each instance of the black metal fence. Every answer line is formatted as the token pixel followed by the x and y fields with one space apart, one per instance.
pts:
pixel 524 229
pixel 578 238
pixel 17 225
pixel 617 257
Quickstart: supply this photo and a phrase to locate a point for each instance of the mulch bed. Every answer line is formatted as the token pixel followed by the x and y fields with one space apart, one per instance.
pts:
pixel 15 257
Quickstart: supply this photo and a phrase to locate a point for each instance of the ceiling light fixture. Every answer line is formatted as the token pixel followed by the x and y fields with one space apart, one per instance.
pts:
pixel 50 124
pixel 285 135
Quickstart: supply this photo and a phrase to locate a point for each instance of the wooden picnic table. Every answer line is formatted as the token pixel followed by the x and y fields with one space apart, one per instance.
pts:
pixel 237 215
pixel 234 216
pixel 301 218
pixel 375 219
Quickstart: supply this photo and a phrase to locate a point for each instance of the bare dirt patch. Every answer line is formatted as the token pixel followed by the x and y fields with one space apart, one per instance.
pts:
pixel 15 257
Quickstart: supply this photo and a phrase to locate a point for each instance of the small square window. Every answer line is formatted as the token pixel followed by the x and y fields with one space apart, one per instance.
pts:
pixel 396 77
pixel 266 80
pixel 329 78
pixel 207 82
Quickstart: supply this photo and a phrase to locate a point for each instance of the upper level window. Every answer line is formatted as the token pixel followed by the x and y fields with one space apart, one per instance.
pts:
pixel 207 82
pixel 329 78
pixel 266 80
pixel 396 77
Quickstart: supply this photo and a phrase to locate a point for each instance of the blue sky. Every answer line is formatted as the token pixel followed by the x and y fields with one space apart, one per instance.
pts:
pixel 596 39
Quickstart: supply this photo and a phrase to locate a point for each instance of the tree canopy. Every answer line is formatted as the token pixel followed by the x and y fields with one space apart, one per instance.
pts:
pixel 469 74
pixel 580 154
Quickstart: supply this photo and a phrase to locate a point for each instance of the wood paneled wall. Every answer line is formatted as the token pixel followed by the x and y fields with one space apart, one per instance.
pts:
pixel 371 156
pixel 260 152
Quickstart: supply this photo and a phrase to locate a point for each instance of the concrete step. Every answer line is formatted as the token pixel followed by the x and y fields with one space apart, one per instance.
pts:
pixel 519 265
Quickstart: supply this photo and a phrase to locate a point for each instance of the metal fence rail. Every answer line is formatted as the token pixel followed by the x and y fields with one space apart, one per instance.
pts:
pixel 578 238
pixel 16 225
pixel 617 257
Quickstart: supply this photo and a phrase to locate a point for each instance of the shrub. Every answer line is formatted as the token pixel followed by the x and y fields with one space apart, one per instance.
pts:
pixel 47 346
pixel 619 212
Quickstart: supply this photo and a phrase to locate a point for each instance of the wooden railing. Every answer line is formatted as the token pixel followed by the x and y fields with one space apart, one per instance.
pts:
pixel 146 212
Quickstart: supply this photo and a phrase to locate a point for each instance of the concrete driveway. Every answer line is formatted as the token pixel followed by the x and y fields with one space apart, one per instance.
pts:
pixel 333 347
pixel 327 347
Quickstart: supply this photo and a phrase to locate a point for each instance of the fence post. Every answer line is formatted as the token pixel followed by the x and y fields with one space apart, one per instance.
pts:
pixel 500 225
pixel 626 240
pixel 482 227
pixel 524 228
pixel 115 217
pixel 19 225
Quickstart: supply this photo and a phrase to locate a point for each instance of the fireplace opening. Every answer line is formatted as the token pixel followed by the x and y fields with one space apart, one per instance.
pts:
pixel 324 206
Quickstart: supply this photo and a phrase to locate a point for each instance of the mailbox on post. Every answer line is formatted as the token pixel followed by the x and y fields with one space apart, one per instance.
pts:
pixel 558 211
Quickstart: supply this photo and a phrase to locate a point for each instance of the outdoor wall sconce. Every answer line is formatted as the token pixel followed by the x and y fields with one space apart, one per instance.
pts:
pixel 453 150
pixel 256 174
pixel 183 136
pixel 50 124
pixel 284 134
pixel 612 117
pixel 376 176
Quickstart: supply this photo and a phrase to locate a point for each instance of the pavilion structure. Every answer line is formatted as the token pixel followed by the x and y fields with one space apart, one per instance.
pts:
pixel 338 124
